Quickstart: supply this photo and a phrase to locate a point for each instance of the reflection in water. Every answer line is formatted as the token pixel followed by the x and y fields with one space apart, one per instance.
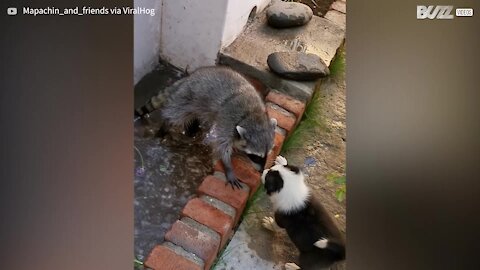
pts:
pixel 167 174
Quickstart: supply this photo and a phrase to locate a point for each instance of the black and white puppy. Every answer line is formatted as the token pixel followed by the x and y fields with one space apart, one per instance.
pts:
pixel 306 221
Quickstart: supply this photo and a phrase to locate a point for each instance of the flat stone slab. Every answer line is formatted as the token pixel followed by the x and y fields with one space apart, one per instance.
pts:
pixel 337 18
pixel 340 6
pixel 298 66
pixel 288 14
pixel 249 52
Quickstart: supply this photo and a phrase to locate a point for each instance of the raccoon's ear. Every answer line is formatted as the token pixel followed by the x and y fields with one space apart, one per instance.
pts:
pixel 241 131
pixel 273 121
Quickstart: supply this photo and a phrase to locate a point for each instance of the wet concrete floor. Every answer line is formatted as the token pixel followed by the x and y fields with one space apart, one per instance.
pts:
pixel 167 171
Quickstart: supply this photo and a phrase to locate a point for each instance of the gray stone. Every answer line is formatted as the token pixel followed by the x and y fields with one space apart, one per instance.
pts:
pixel 297 65
pixel 288 14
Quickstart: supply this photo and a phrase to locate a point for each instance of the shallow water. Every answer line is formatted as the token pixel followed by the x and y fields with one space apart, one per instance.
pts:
pixel 167 171
pixel 173 170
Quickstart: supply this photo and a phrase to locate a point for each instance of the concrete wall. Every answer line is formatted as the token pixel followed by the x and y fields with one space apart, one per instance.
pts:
pixel 237 16
pixel 146 38
pixel 192 31
pixel 187 33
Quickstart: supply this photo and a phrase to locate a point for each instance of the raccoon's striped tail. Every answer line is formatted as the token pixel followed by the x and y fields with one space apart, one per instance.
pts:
pixel 144 110
pixel 156 102
pixel 153 104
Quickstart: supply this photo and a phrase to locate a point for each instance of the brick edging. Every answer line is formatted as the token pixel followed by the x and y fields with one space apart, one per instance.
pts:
pixel 207 221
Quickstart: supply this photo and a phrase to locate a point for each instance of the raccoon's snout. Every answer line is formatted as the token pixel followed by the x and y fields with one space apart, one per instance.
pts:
pixel 251 153
pixel 257 160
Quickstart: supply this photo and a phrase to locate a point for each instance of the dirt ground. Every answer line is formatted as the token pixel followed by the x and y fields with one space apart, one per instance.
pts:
pixel 325 157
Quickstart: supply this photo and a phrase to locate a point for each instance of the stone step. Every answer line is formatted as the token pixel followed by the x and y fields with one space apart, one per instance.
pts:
pixel 249 52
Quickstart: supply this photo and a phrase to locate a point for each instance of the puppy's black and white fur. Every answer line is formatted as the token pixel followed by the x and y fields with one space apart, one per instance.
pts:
pixel 306 221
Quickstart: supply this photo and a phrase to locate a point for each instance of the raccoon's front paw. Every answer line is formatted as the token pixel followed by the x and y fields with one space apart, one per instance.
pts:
pixel 291 266
pixel 281 161
pixel 270 224
pixel 233 181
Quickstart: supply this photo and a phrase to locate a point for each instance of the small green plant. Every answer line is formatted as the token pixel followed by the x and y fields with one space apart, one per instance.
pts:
pixel 337 66
pixel 138 264
pixel 341 182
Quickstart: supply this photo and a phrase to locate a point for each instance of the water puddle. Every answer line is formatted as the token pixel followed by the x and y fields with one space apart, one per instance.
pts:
pixel 167 174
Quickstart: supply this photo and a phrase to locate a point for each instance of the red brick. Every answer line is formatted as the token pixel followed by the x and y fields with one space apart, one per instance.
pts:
pixel 286 122
pixel 245 173
pixel 258 85
pixel 195 241
pixel 162 258
pixel 216 188
pixel 209 216
pixel 288 103
pixel 277 147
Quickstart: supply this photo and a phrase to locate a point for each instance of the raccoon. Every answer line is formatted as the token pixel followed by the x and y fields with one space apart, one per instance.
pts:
pixel 227 107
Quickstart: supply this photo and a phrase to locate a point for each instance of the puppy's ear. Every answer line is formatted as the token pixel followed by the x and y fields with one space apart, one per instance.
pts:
pixel 273 182
pixel 294 169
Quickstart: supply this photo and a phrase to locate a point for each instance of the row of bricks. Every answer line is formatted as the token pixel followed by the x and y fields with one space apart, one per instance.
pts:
pixel 207 222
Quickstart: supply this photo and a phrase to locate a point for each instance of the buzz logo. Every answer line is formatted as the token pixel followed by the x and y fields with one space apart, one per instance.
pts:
pixel 434 12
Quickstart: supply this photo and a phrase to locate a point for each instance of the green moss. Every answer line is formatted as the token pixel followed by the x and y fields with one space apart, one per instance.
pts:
pixel 338 64
pixel 312 121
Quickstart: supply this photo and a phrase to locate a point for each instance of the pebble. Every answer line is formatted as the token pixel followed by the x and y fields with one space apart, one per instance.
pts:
pixel 288 14
pixel 298 66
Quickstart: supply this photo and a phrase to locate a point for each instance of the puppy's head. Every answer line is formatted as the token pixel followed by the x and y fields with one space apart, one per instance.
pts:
pixel 272 181
pixel 286 187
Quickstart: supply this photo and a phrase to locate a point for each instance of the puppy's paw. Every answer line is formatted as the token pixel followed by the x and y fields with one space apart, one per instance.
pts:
pixel 270 224
pixel 291 266
pixel 280 161
pixel 321 243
